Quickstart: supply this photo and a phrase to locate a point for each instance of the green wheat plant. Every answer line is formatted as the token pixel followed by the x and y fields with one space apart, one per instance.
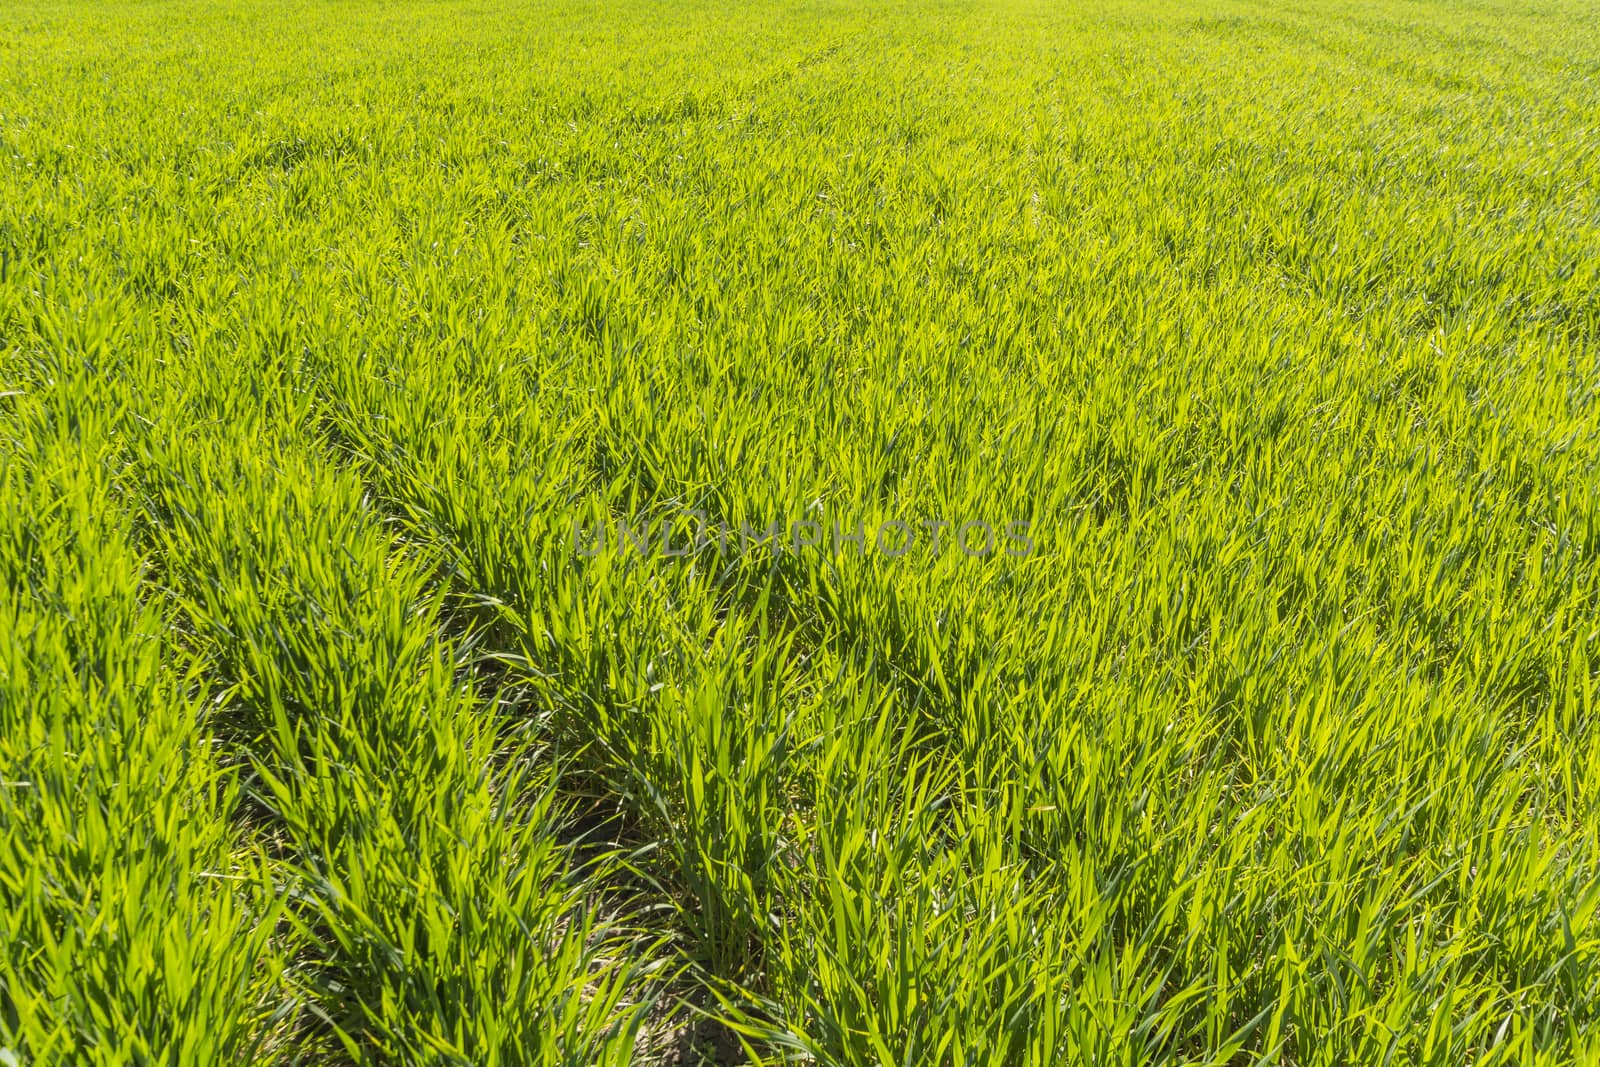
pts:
pixel 327 330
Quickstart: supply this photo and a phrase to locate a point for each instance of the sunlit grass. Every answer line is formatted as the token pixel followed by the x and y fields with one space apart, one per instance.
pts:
pixel 322 325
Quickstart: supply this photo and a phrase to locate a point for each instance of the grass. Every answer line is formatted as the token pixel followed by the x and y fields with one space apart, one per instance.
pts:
pixel 326 328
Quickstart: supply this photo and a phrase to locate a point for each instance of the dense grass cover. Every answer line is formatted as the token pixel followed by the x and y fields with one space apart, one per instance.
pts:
pixel 329 331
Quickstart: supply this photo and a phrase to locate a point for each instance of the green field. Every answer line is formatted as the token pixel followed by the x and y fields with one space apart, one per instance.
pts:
pixel 1264 337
